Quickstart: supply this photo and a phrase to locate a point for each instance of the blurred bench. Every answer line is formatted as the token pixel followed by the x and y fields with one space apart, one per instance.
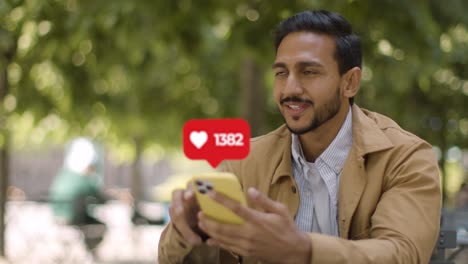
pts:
pixel 453 234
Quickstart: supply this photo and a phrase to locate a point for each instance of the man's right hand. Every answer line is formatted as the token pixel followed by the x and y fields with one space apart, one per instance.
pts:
pixel 183 212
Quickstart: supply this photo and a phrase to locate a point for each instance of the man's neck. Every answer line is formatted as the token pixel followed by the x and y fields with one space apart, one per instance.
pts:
pixel 315 142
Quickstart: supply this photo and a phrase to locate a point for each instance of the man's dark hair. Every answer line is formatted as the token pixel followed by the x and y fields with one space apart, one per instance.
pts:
pixel 348 53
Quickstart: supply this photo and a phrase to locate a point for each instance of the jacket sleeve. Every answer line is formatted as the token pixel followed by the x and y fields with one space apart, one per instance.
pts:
pixel 172 247
pixel 404 227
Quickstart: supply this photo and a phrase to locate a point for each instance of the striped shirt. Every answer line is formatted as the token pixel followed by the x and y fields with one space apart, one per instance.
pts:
pixel 318 182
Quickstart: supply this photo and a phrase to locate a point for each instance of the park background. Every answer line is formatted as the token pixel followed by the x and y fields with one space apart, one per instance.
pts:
pixel 128 74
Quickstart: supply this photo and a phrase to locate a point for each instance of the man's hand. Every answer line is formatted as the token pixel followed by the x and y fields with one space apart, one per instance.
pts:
pixel 271 236
pixel 183 212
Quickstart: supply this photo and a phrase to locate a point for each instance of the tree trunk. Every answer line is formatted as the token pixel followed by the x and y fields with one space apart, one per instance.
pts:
pixel 136 172
pixel 252 95
pixel 3 157
pixel 3 189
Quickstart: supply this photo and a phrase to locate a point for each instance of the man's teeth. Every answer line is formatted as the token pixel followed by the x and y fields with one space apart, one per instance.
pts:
pixel 295 107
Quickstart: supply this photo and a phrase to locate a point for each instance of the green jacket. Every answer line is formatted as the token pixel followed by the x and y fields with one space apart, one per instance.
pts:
pixel 67 188
pixel 389 199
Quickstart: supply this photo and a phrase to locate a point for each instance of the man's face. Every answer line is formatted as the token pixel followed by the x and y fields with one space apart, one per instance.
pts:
pixel 307 81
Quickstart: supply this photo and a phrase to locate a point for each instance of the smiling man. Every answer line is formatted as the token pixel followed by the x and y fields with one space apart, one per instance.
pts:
pixel 335 184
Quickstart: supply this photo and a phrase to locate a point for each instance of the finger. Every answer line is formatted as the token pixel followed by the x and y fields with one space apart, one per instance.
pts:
pixel 266 203
pixel 190 201
pixel 234 248
pixel 177 195
pixel 216 229
pixel 179 217
pixel 237 208
pixel 178 220
pixel 188 195
pixel 223 234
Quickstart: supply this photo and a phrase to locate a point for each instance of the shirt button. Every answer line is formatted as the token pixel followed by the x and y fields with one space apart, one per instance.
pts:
pixel 293 189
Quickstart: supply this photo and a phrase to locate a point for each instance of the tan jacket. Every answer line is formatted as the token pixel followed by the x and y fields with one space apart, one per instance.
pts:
pixel 389 198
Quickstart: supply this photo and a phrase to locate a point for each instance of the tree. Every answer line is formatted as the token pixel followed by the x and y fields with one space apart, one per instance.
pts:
pixel 135 71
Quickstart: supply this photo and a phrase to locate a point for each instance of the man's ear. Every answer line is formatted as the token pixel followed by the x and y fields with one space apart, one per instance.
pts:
pixel 351 82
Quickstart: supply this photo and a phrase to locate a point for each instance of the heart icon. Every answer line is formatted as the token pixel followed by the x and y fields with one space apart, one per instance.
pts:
pixel 198 139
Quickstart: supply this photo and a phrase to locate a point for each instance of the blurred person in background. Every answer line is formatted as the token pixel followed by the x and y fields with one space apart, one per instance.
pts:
pixel 78 188
pixel 77 185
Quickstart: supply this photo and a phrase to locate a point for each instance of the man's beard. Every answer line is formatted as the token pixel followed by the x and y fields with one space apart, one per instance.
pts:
pixel 321 115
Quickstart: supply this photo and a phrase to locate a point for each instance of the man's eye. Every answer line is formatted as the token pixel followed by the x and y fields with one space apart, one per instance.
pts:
pixel 310 72
pixel 280 73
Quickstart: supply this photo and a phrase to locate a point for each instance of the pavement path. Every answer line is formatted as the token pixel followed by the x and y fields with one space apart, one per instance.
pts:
pixel 33 236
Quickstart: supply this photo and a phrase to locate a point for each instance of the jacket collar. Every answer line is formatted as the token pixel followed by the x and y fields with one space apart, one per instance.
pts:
pixel 367 135
pixel 367 138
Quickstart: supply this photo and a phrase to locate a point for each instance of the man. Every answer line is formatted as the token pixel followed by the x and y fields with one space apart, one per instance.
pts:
pixel 77 184
pixel 335 184
pixel 76 189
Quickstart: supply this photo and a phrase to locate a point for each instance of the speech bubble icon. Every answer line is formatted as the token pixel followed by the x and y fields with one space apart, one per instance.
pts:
pixel 215 140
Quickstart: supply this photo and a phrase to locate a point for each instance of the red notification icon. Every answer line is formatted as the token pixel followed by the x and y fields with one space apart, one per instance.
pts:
pixel 216 140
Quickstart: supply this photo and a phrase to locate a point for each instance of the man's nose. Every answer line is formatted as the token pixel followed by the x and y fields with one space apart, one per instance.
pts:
pixel 293 85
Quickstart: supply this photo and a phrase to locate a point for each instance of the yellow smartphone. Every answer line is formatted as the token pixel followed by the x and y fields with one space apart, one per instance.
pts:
pixel 222 182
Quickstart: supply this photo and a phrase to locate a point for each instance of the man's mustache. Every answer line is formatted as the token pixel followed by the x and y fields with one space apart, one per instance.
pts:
pixel 296 99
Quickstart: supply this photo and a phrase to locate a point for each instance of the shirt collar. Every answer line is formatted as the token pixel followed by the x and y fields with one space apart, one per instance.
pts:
pixel 297 154
pixel 341 144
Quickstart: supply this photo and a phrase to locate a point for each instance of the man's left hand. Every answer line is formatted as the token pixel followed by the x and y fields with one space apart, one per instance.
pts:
pixel 271 235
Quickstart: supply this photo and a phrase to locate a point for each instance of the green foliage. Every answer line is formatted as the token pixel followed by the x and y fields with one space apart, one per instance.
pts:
pixel 139 69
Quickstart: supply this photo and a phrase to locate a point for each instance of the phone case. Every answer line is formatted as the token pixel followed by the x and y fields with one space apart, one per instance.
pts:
pixel 221 182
